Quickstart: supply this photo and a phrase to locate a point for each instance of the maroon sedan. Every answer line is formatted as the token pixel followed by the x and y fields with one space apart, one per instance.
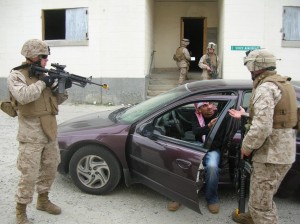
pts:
pixel 152 143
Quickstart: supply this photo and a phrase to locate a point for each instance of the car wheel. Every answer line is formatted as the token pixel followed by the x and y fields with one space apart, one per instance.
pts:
pixel 94 170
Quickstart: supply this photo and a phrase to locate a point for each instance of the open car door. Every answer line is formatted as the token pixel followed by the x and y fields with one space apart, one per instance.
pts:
pixel 169 162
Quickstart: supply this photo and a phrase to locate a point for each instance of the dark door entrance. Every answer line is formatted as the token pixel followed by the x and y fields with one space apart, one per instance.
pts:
pixel 194 29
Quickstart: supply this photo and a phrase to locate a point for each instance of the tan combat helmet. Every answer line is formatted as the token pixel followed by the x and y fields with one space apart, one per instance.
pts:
pixel 185 42
pixel 34 47
pixel 211 45
pixel 260 59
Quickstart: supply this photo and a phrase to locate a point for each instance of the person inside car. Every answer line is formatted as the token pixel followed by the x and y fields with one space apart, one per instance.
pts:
pixel 206 117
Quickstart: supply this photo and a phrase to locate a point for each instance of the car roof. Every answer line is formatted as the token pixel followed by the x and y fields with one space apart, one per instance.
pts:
pixel 218 84
pixel 227 84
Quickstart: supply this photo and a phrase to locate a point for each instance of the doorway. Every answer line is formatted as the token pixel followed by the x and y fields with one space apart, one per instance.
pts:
pixel 194 29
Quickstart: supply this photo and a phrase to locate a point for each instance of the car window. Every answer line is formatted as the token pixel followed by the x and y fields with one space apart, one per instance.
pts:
pixel 178 123
pixel 246 100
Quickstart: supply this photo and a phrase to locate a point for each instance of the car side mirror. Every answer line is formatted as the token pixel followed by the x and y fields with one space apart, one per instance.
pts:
pixel 147 130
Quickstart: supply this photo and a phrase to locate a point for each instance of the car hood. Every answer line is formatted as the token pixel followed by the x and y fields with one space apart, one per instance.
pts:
pixel 86 122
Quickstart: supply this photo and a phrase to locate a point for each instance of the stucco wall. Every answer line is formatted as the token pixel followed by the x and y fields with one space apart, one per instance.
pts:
pixel 119 48
pixel 167 26
pixel 257 24
pixel 123 33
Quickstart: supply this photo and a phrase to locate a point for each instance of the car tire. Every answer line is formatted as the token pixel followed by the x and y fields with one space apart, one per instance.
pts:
pixel 94 170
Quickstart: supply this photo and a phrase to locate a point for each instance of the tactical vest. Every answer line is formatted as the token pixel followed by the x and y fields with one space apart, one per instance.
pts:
pixel 285 112
pixel 211 60
pixel 179 55
pixel 45 107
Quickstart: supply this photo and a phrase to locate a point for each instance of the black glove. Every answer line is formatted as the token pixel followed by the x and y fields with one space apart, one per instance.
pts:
pixel 48 80
pixel 68 83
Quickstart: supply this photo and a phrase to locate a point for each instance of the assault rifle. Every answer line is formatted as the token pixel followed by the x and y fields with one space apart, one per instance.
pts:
pixel 242 170
pixel 64 77
pixel 213 70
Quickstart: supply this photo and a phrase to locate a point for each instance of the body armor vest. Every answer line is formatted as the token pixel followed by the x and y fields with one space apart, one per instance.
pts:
pixel 179 56
pixel 45 107
pixel 285 112
pixel 211 60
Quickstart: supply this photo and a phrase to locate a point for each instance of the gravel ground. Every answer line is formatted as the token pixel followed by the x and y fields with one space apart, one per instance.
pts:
pixel 133 205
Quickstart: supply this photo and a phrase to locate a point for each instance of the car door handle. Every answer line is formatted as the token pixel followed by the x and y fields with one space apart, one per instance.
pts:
pixel 183 164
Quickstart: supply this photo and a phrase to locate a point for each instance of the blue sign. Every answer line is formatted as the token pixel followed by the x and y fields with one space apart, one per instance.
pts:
pixel 244 48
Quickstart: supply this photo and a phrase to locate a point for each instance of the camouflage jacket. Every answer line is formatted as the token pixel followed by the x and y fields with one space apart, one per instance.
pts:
pixel 269 145
pixel 209 61
pixel 30 129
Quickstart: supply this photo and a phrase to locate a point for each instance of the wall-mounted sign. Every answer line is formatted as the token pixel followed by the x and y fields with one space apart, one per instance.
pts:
pixel 244 48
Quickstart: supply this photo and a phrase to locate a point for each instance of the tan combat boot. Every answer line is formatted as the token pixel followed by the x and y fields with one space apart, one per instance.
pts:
pixel 21 214
pixel 173 206
pixel 243 218
pixel 44 204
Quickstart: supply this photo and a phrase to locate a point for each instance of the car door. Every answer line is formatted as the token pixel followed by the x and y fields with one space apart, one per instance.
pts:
pixel 168 165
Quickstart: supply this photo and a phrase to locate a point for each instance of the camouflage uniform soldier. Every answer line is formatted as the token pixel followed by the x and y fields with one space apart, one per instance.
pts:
pixel 36 106
pixel 182 58
pixel 271 138
pixel 209 63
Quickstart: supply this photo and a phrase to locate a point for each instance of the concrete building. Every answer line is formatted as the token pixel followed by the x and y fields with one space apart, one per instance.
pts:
pixel 125 42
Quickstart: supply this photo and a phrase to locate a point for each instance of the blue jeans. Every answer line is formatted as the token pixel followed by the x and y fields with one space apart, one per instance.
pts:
pixel 212 171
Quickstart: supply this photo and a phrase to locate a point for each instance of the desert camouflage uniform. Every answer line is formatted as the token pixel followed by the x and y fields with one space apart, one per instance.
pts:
pixel 183 64
pixel 273 153
pixel 38 156
pixel 203 64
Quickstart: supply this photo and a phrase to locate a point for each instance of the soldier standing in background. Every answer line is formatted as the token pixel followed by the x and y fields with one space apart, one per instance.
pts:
pixel 209 63
pixel 182 58
pixel 271 139
pixel 36 105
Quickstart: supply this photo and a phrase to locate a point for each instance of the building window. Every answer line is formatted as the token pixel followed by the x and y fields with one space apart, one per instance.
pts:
pixel 63 27
pixel 291 26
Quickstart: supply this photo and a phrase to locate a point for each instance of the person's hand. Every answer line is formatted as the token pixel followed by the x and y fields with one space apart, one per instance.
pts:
pixel 48 80
pixel 212 122
pixel 236 113
pixel 244 153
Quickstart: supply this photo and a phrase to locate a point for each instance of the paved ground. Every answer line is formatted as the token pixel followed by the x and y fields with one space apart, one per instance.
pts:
pixel 134 205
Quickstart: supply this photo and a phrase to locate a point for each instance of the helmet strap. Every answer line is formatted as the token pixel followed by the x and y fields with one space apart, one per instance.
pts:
pixel 38 63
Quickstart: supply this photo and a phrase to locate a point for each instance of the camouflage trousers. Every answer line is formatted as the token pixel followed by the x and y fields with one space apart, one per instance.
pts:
pixel 182 75
pixel 37 163
pixel 265 181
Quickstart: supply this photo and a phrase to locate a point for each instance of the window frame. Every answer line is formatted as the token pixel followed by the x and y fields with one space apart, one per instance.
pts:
pixel 66 42
pixel 287 23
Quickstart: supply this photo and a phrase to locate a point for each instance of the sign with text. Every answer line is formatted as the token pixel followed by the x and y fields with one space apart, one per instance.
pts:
pixel 244 48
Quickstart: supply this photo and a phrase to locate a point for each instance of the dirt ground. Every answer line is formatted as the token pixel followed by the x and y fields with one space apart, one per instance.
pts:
pixel 134 205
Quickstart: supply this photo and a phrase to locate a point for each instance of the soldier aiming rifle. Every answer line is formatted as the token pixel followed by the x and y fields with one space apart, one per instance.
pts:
pixel 65 79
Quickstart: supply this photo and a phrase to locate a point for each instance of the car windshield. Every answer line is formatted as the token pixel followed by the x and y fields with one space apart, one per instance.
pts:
pixel 145 108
